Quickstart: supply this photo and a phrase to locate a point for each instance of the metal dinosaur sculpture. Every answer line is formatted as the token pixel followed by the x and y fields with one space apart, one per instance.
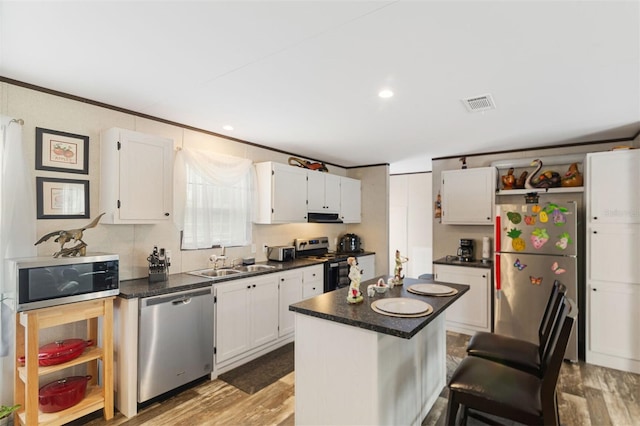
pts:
pixel 65 236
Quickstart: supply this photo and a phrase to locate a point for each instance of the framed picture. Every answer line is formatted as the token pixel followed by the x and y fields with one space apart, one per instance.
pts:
pixel 62 198
pixel 61 151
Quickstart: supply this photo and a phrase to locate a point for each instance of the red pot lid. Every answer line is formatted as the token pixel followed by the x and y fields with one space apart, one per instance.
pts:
pixel 62 386
pixel 62 347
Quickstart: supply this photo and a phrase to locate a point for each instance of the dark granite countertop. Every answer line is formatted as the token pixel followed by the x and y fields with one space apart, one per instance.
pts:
pixel 453 260
pixel 333 306
pixel 141 287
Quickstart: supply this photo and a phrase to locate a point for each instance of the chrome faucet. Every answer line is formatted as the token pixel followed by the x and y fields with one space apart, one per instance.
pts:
pixel 215 258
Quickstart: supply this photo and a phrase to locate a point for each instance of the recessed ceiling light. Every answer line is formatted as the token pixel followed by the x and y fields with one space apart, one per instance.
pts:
pixel 386 93
pixel 227 127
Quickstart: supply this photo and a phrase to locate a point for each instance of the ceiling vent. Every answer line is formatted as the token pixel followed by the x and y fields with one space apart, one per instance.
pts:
pixel 479 103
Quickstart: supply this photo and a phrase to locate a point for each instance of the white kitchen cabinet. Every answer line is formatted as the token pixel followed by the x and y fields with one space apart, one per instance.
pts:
pixel 312 281
pixel 290 291
pixel 136 177
pixel 613 270
pixel 613 252
pixel 468 196
pixel 350 200
pixel 472 312
pixel 282 193
pixel 367 265
pixel 613 338
pixel 612 187
pixel 246 315
pixel 323 192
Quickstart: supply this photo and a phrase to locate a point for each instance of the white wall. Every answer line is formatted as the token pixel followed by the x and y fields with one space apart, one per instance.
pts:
pixel 134 242
pixel 410 224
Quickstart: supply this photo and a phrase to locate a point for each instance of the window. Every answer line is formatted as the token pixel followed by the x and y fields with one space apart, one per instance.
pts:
pixel 217 199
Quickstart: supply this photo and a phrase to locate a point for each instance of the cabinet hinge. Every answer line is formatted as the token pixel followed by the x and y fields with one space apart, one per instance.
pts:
pixel 271 211
pixel 273 172
pixel 118 203
pixel 215 299
pixel 215 350
pixel 118 145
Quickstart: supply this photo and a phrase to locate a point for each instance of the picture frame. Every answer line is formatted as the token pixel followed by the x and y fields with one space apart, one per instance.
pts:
pixel 61 151
pixel 62 198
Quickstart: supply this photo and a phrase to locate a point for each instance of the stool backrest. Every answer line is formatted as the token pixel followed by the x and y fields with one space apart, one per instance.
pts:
pixel 554 353
pixel 550 312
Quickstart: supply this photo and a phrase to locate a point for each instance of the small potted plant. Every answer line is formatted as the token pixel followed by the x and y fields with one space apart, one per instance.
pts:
pixel 5 413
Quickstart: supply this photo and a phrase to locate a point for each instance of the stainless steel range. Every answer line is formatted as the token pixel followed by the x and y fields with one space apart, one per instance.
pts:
pixel 336 268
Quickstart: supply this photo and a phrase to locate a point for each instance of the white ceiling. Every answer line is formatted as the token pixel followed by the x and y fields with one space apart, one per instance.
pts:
pixel 303 76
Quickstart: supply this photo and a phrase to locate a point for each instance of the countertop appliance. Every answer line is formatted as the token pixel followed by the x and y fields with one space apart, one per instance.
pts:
pixel 175 343
pixel 281 253
pixel 535 245
pixel 45 281
pixel 350 243
pixel 465 250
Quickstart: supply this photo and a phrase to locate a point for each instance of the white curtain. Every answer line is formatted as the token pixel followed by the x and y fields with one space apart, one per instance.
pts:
pixel 213 198
pixel 17 237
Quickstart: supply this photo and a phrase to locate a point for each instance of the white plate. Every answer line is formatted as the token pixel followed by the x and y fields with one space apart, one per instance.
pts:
pixel 402 305
pixel 431 288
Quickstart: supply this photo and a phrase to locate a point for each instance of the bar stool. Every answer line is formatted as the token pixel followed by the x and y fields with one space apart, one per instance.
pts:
pixel 516 353
pixel 489 387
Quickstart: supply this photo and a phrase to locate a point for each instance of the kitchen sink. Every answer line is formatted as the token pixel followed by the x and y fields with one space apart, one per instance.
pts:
pixel 256 268
pixel 215 272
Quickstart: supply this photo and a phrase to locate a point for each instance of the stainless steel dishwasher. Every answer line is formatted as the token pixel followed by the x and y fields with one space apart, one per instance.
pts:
pixel 175 340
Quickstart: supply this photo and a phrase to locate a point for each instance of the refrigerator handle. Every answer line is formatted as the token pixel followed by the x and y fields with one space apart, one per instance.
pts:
pixel 497 241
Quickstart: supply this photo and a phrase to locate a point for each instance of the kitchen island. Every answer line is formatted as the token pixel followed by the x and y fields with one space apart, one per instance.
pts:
pixel 355 366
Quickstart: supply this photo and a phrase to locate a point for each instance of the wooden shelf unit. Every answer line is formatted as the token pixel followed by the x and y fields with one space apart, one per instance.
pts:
pixel 541 191
pixel 28 326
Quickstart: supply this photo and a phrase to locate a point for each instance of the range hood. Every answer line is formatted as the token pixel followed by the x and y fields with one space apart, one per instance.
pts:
pixel 323 218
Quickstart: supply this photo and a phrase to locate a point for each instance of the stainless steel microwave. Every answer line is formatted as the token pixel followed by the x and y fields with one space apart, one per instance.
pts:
pixel 44 281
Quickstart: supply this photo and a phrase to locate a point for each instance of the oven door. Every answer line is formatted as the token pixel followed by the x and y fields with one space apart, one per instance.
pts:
pixel 336 275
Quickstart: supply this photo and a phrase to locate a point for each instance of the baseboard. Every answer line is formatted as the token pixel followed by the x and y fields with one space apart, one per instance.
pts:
pixel 610 361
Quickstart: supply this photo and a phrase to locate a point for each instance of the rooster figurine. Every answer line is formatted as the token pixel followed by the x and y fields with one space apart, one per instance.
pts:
pixel 573 177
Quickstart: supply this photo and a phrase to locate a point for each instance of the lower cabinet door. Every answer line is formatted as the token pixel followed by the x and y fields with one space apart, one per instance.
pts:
pixel 614 319
pixel 472 312
pixel 264 309
pixel 290 292
pixel 232 319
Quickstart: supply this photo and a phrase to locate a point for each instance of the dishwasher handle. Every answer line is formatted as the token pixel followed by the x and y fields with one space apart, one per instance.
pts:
pixel 174 298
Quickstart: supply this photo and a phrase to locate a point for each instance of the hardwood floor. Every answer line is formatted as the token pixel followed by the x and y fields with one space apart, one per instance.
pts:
pixel 588 395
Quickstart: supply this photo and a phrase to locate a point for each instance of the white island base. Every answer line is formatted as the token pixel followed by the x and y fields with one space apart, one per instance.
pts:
pixel 345 375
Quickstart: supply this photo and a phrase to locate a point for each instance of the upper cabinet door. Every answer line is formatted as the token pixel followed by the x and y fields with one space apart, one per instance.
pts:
pixel 282 193
pixel 350 200
pixel 612 187
pixel 136 177
pixel 468 196
pixel 323 191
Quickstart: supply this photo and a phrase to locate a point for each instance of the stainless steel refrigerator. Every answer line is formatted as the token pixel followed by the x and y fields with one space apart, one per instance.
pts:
pixel 535 245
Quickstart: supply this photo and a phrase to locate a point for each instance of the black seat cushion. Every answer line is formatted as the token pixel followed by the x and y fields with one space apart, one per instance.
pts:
pixel 515 353
pixel 502 390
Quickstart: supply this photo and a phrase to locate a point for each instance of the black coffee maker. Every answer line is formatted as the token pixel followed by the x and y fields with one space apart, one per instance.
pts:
pixel 465 251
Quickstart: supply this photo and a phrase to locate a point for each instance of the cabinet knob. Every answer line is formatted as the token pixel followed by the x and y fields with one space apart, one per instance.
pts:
pixel 166 214
pixel 595 232
pixel 595 218
pixel 488 218
pixel 313 275
pixel 249 287
pixel 254 286
pixel 281 279
pixel 313 288
pixel 484 276
pixel 595 289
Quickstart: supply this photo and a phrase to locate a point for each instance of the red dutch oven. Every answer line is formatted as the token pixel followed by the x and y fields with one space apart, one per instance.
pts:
pixel 62 394
pixel 60 351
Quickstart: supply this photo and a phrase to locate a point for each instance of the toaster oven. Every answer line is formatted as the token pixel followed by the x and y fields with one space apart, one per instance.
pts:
pixel 42 282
